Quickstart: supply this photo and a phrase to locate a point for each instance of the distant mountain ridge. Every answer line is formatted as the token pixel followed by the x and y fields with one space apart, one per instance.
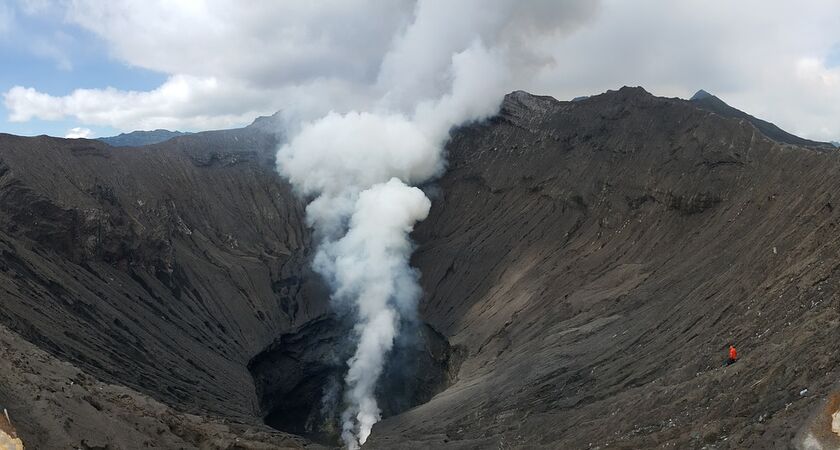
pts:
pixel 140 138
pixel 709 102
pixel 268 124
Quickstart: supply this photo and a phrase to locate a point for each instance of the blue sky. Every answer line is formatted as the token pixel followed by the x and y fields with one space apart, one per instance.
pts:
pixel 120 65
pixel 43 50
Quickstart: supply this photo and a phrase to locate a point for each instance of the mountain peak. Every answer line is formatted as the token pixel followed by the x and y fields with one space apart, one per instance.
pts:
pixel 709 102
pixel 633 90
pixel 700 95
pixel 268 124
pixel 524 104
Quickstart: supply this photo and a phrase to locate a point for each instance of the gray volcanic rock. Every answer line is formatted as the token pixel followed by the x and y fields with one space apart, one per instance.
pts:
pixel 584 266
pixel 700 95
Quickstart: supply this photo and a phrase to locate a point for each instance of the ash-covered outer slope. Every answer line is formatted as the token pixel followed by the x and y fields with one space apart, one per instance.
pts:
pixel 590 261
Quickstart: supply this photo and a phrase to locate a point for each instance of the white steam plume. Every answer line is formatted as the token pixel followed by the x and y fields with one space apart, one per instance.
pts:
pixel 371 268
pixel 359 166
pixel 449 66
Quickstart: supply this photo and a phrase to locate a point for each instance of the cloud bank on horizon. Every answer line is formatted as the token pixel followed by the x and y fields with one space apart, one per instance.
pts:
pixel 79 133
pixel 222 63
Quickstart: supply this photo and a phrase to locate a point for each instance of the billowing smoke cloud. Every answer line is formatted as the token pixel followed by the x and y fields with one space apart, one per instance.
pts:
pixel 370 266
pixel 359 166
pixel 449 66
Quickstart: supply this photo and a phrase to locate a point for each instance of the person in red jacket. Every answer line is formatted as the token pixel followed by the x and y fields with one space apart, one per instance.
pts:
pixel 733 355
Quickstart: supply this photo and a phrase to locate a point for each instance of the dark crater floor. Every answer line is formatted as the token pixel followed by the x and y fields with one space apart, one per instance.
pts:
pixel 299 378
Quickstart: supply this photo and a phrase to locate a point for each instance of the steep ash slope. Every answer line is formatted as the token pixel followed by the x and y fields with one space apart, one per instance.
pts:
pixel 163 269
pixel 595 258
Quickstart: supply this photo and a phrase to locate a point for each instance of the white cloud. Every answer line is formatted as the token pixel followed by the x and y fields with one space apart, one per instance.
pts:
pixel 230 62
pixel 181 102
pixel 268 43
pixel 310 57
pixel 79 133
pixel 227 63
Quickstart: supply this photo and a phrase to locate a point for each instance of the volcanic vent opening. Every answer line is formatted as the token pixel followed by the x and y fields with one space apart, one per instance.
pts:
pixel 299 378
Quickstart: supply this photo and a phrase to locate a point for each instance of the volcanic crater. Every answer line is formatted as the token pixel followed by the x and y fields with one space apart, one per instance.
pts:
pixel 584 266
